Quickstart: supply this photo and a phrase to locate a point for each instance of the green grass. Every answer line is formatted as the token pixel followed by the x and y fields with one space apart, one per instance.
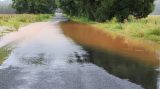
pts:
pixel 3 54
pixel 145 29
pixel 14 21
pixel 82 20
pixel 18 20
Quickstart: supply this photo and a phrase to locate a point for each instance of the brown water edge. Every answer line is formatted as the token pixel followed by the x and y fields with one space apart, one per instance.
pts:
pixel 96 38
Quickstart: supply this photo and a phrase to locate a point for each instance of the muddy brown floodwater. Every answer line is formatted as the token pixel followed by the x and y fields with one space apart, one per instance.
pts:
pixel 130 59
pixel 42 57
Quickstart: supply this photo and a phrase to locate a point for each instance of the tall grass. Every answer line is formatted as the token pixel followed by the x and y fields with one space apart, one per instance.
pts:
pixel 146 28
pixel 17 20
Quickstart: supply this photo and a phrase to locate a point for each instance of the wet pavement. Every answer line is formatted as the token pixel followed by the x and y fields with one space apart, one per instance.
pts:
pixel 42 57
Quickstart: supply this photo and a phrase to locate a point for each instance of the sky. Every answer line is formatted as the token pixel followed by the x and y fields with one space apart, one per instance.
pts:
pixel 157 8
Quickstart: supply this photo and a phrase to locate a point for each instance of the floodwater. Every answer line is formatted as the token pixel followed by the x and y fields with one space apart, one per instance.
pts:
pixel 134 60
pixel 42 57
pixel 49 55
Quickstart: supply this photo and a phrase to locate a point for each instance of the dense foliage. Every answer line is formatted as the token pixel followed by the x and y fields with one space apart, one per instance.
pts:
pixel 102 10
pixel 34 6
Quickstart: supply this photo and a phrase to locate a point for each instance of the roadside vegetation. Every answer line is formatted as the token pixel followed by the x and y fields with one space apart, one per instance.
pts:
pixel 146 28
pixel 17 20
pixel 11 22
pixel 4 52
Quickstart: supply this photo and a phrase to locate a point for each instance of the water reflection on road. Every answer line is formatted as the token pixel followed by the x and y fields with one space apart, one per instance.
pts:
pixel 42 57
pixel 125 68
pixel 134 60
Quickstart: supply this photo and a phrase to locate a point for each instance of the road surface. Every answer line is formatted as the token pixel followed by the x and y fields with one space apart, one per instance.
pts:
pixel 42 57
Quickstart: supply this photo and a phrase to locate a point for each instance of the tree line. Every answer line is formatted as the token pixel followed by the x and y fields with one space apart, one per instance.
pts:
pixel 34 6
pixel 96 10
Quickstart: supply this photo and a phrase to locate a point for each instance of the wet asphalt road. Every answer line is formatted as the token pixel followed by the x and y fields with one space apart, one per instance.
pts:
pixel 44 58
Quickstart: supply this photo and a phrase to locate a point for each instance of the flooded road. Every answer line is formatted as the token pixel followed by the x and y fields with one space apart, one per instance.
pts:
pixel 134 60
pixel 44 56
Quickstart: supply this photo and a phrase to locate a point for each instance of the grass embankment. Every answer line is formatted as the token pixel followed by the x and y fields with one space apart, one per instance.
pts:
pixel 145 29
pixel 11 22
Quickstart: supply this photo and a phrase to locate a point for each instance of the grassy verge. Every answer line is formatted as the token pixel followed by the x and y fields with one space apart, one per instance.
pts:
pixel 17 20
pixel 145 29
pixel 11 22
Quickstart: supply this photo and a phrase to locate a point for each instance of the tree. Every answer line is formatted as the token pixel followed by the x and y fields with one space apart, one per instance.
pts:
pixel 102 10
pixel 137 8
pixel 34 6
